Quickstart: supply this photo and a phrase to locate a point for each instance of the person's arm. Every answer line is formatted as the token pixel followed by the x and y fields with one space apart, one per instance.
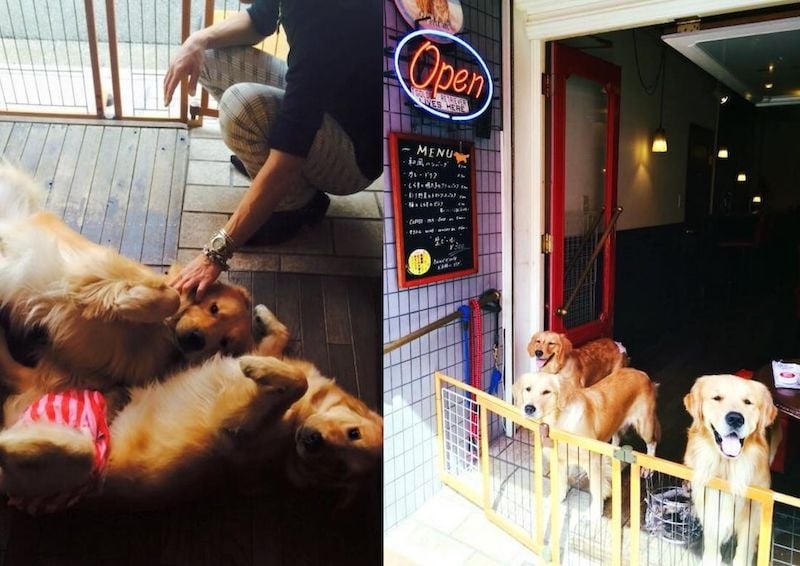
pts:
pixel 271 184
pixel 239 29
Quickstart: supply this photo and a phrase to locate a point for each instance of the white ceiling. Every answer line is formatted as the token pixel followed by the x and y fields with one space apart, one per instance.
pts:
pixel 740 57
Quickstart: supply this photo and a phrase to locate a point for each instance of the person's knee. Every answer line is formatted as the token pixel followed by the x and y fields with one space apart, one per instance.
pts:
pixel 244 114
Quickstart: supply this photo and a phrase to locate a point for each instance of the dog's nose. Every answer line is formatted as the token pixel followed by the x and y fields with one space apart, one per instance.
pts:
pixel 529 410
pixel 539 353
pixel 192 341
pixel 734 419
pixel 311 439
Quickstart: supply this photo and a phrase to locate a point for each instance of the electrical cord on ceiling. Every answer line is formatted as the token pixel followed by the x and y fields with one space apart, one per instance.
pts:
pixel 649 89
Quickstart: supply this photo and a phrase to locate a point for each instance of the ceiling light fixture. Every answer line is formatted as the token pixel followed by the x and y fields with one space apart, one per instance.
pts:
pixel 757 199
pixel 723 152
pixel 723 99
pixel 771 67
pixel 660 137
pixel 741 178
pixel 768 85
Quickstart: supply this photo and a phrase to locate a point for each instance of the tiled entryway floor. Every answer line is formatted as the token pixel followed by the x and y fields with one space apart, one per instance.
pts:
pixel 450 530
pixel 347 242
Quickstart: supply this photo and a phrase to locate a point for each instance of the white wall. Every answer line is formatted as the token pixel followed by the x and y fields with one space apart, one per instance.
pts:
pixel 651 186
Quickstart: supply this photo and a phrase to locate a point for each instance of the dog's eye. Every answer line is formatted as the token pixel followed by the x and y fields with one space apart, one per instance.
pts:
pixel 528 389
pixel 717 397
pixel 748 402
pixel 546 392
pixel 551 343
pixel 214 308
pixel 353 434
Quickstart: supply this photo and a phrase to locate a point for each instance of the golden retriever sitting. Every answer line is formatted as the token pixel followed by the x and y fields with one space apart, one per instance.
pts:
pixel 603 411
pixel 585 365
pixel 108 319
pixel 728 440
pixel 179 435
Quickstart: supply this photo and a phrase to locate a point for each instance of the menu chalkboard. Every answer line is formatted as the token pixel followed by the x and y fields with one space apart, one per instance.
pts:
pixel 433 189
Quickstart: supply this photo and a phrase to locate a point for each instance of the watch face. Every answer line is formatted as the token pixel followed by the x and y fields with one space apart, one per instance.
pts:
pixel 217 243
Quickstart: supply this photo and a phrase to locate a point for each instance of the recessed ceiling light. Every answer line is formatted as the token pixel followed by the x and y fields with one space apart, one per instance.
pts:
pixel 768 85
pixel 771 67
pixel 723 99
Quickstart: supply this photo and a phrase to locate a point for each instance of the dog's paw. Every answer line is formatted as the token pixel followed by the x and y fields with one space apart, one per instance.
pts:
pixel 252 367
pixel 262 320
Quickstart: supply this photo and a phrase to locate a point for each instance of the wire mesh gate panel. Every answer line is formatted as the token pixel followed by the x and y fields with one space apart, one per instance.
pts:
pixel 647 518
pixel 91 58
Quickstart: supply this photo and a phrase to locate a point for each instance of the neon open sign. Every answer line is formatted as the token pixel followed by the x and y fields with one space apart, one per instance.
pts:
pixel 445 90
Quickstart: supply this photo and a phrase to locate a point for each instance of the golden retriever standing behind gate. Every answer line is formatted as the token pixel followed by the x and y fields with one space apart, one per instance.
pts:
pixel 603 411
pixel 728 440
pixel 584 365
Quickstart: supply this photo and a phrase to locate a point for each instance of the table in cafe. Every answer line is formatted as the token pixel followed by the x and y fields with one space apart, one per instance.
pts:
pixel 788 403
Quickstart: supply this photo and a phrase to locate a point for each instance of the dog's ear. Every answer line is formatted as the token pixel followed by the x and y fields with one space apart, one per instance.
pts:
pixel 563 390
pixel 532 344
pixel 516 389
pixel 693 401
pixel 564 350
pixel 768 409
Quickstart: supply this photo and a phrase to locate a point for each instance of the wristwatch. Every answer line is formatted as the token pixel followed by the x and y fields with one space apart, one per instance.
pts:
pixel 219 249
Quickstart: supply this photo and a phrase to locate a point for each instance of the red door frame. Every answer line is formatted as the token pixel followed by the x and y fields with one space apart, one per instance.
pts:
pixel 564 62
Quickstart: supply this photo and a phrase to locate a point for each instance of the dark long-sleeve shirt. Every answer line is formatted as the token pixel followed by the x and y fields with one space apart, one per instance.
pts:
pixel 334 66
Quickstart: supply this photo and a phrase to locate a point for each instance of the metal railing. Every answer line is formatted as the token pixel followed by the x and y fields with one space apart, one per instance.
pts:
pixel 563 310
pixel 490 296
pixel 102 59
pixel 509 477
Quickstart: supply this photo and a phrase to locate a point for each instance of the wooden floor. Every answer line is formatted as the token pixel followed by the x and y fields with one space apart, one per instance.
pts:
pixel 126 187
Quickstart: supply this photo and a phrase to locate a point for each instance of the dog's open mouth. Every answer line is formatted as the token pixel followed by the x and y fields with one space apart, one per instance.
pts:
pixel 730 445
pixel 541 362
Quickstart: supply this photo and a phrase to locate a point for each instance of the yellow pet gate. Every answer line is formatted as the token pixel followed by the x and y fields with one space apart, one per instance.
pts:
pixel 499 460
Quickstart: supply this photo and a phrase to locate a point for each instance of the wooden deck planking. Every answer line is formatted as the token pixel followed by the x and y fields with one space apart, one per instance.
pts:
pixel 312 316
pixel 139 194
pixel 94 217
pixel 5 132
pixel 176 197
pixel 365 308
pixel 114 222
pixel 160 190
pixel 78 197
pixel 34 146
pixel 16 141
pixel 51 153
pixel 264 289
pixel 337 310
pixel 65 170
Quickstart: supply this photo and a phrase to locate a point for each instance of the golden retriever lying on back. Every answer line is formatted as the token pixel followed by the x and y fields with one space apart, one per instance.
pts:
pixel 727 440
pixel 603 411
pixel 585 365
pixel 179 435
pixel 108 319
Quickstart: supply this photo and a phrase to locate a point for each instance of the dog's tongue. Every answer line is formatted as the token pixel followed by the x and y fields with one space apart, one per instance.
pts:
pixel 731 445
pixel 540 362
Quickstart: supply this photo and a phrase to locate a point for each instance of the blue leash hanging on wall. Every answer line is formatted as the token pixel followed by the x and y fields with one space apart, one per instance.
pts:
pixel 497 375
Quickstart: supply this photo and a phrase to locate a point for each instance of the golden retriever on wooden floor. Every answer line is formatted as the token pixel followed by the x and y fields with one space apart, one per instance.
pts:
pixel 728 440
pixel 585 365
pixel 109 319
pixel 603 411
pixel 227 417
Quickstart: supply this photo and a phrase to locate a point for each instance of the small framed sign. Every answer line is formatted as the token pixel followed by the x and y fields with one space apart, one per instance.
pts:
pixel 435 216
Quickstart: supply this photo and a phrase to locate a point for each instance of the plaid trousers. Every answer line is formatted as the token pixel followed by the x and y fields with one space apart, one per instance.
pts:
pixel 248 85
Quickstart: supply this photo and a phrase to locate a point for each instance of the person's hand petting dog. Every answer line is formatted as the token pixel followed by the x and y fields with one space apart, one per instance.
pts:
pixel 198 275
